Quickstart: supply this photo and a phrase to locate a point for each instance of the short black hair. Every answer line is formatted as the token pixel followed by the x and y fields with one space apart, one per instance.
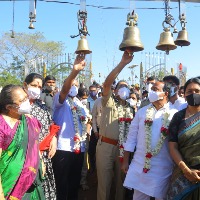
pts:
pixel 145 92
pixel 119 82
pixel 181 88
pixel 192 80
pixel 31 77
pixel 173 78
pixel 49 77
pixel 6 96
pixel 83 92
pixel 94 86
pixel 151 78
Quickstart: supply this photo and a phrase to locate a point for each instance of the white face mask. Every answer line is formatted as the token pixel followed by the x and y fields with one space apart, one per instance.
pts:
pixel 132 102
pixel 25 108
pixel 123 93
pixel 154 96
pixel 173 91
pixel 50 88
pixel 73 91
pixel 149 86
pixel 33 93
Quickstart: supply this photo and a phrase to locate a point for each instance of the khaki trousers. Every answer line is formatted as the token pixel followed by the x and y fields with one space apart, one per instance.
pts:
pixel 108 165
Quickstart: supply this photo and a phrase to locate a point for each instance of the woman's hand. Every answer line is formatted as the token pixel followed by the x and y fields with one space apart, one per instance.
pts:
pixel 192 175
pixel 43 168
pixel 53 147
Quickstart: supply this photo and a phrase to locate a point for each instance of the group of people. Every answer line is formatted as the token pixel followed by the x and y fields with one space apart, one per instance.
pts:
pixel 148 143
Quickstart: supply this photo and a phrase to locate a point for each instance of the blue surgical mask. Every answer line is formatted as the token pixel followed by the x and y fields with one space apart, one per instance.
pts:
pixel 93 93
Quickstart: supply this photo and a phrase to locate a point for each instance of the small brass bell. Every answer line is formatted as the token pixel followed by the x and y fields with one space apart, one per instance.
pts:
pixel 131 39
pixel 166 42
pixel 83 46
pixel 31 25
pixel 182 39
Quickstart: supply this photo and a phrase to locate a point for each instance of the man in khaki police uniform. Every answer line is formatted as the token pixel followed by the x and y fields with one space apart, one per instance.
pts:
pixel 107 152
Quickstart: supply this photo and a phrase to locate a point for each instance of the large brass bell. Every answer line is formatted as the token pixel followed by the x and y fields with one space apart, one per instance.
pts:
pixel 31 25
pixel 131 39
pixel 166 42
pixel 182 39
pixel 83 46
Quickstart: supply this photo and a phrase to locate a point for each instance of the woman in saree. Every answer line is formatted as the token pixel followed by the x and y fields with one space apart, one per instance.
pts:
pixel 184 145
pixel 20 169
pixel 33 87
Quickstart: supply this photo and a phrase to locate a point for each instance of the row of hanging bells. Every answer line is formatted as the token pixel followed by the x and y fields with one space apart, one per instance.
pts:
pixel 132 43
pixel 167 43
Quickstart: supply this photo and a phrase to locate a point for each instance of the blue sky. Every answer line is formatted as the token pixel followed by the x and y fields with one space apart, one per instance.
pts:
pixel 58 21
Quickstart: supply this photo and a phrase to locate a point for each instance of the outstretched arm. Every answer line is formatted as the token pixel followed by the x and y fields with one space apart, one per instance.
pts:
pixel 79 65
pixel 126 59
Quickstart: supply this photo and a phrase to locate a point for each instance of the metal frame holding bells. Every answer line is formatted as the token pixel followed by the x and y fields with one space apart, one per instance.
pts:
pixel 32 13
pixel 166 42
pixel 83 47
pixel 131 39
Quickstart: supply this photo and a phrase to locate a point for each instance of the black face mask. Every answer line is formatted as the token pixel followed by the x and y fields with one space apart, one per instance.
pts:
pixel 193 99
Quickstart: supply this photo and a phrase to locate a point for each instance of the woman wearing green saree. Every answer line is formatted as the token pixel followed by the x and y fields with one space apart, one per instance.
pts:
pixel 184 145
pixel 20 174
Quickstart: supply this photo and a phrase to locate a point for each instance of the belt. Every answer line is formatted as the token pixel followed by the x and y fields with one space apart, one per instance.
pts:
pixel 108 140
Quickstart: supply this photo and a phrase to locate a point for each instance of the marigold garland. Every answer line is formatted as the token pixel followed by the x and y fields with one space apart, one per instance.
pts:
pixel 78 116
pixel 124 118
pixel 148 130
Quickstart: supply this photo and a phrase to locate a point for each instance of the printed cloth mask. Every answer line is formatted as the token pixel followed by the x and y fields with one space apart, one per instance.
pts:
pixel 123 93
pixel 132 102
pixel 50 88
pixel 25 108
pixel 93 93
pixel 193 99
pixel 33 93
pixel 173 91
pixel 148 87
pixel 154 96
pixel 84 102
pixel 73 91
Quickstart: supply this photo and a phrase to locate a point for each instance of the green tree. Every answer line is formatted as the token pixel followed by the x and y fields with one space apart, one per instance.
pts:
pixel 20 54
pixel 7 78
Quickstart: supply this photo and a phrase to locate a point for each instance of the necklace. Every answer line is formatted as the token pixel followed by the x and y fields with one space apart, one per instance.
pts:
pixel 78 116
pixel 124 119
pixel 148 130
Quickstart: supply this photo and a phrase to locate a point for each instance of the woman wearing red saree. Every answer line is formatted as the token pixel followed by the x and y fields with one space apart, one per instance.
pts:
pixel 20 174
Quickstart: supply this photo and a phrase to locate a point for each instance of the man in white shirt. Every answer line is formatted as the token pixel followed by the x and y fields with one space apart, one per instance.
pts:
pixel 70 115
pixel 173 83
pixel 150 170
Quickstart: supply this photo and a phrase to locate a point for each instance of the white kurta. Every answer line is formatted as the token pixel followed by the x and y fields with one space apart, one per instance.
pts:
pixel 155 182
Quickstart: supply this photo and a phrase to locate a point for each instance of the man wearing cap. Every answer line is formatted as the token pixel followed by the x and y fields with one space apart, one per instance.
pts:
pixel 107 151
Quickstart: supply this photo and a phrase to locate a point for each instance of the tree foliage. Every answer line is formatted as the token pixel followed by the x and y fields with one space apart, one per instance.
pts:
pixel 7 78
pixel 27 52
